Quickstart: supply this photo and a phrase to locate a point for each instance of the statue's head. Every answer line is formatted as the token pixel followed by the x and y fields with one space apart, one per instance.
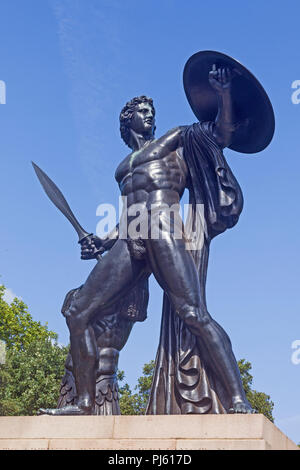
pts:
pixel 137 115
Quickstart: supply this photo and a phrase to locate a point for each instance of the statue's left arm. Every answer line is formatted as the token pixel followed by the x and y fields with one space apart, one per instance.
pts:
pixel 220 80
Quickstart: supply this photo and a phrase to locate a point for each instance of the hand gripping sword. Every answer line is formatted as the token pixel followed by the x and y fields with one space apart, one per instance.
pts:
pixel 56 196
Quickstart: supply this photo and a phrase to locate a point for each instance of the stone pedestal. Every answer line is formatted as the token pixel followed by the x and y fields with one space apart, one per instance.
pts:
pixel 176 432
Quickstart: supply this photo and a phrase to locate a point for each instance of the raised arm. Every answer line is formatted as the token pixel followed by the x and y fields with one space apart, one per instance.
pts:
pixel 220 80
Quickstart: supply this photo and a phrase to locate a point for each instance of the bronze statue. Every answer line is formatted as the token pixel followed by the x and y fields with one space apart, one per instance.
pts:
pixel 112 328
pixel 196 371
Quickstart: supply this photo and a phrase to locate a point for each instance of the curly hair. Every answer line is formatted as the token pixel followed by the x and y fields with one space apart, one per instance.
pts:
pixel 127 112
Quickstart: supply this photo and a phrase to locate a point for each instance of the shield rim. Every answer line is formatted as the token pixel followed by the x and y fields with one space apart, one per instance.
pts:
pixel 267 106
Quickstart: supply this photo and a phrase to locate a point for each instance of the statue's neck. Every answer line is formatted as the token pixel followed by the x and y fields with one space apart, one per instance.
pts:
pixel 137 141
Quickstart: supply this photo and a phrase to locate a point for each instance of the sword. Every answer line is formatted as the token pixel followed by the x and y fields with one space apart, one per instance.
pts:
pixel 56 196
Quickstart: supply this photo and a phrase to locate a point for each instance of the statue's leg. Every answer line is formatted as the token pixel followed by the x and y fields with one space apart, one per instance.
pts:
pixel 112 332
pixel 109 280
pixel 175 270
pixel 106 401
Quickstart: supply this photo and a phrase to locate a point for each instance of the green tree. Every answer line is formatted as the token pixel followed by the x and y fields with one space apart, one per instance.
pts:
pixel 17 327
pixel 34 363
pixel 135 403
pixel 259 401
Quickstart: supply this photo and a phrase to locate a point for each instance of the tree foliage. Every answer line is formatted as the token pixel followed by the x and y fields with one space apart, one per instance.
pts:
pixel 135 403
pixel 260 401
pixel 34 363
pixel 17 327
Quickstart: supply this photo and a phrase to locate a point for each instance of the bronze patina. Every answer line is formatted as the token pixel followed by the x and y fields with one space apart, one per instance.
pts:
pixel 196 370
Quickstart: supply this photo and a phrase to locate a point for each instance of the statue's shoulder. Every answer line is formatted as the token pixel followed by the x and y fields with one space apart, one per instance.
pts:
pixel 174 135
pixel 176 131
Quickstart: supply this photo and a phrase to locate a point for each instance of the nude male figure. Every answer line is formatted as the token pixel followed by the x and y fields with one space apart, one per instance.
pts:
pixel 153 173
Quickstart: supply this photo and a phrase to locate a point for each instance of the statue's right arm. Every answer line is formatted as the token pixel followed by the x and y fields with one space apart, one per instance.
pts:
pixel 93 245
pixel 108 242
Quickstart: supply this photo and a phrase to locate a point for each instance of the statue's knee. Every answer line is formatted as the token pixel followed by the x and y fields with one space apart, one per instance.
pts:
pixel 71 312
pixel 195 317
pixel 70 296
pixel 75 320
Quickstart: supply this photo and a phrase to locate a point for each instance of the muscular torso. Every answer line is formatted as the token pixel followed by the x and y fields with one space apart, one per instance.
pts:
pixel 155 173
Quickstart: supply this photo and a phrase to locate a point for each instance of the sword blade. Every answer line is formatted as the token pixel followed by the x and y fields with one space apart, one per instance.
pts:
pixel 56 196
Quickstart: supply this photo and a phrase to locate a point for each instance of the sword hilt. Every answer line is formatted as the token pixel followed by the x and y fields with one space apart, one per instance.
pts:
pixel 97 253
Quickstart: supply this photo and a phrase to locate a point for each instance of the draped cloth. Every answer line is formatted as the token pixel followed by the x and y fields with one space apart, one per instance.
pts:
pixel 184 381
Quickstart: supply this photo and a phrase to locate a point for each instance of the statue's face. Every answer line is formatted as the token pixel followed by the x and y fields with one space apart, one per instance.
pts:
pixel 143 121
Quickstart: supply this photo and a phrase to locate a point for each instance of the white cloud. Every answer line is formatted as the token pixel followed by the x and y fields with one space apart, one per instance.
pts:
pixel 95 75
pixel 9 295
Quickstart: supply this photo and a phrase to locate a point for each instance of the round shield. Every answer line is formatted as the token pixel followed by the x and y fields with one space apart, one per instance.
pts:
pixel 253 112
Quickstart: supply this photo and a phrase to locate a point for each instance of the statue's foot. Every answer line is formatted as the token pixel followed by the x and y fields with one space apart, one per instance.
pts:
pixel 69 410
pixel 241 407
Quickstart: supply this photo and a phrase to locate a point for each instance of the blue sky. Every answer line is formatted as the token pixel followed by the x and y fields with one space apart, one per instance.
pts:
pixel 69 67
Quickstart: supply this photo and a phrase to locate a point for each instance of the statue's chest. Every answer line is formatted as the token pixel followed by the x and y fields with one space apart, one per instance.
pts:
pixel 140 157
